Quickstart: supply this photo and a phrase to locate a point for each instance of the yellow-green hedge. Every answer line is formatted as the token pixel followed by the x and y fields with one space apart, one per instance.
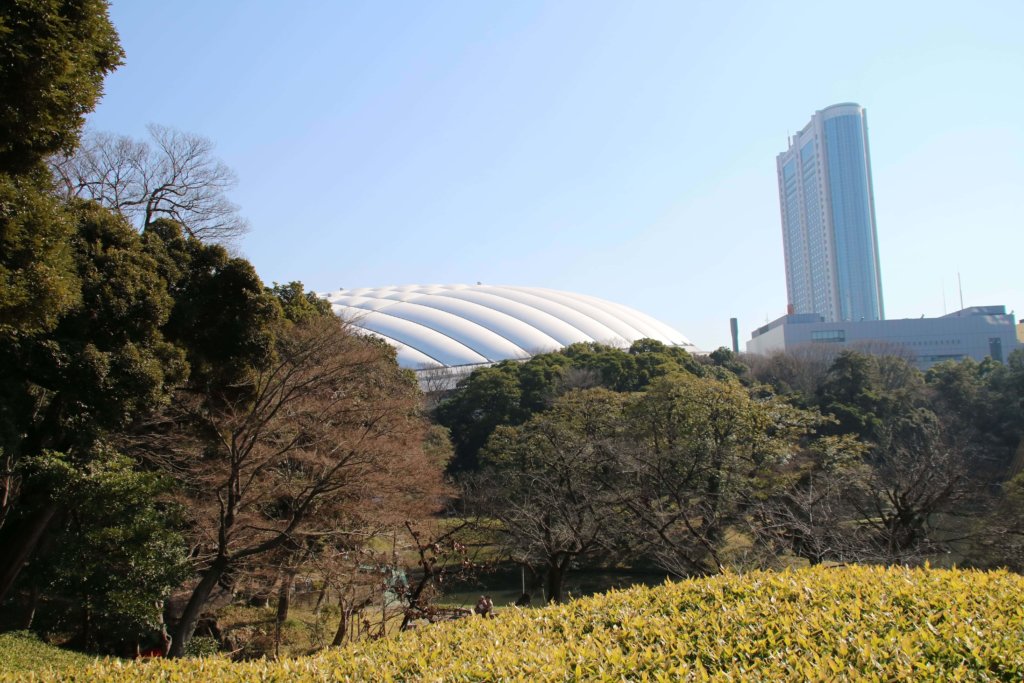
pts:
pixel 21 652
pixel 854 623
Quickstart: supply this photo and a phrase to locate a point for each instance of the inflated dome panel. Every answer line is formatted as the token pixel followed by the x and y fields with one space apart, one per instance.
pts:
pixel 457 325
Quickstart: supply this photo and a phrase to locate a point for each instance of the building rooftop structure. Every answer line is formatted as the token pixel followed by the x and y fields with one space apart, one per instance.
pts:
pixel 976 332
pixel 466 326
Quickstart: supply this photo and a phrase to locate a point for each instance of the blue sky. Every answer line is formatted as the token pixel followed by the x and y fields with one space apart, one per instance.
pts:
pixel 624 150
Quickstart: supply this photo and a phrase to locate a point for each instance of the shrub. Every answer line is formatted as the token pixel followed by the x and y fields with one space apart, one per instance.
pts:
pixel 812 624
pixel 202 646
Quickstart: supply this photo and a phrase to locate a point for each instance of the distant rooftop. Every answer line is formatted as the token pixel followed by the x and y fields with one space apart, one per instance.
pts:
pixel 806 318
pixel 977 310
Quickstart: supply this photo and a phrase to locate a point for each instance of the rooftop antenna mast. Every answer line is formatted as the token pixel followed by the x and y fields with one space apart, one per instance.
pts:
pixel 960 283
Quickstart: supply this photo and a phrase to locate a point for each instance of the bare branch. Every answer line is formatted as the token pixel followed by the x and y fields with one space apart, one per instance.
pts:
pixel 175 175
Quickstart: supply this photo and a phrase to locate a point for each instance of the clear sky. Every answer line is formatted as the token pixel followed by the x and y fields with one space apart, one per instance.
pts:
pixel 624 150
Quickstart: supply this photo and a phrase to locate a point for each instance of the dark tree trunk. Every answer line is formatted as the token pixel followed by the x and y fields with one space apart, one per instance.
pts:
pixel 415 607
pixel 339 635
pixel 30 608
pixel 556 578
pixel 86 635
pixel 186 626
pixel 712 529
pixel 320 600
pixel 284 595
pixel 24 542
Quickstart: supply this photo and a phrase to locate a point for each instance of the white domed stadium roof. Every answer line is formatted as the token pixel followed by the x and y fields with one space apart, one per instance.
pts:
pixel 457 325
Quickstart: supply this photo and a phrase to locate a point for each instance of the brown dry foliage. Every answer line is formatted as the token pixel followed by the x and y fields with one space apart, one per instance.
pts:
pixel 320 450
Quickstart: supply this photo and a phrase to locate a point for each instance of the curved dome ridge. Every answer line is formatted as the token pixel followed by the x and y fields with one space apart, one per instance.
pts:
pixel 558 329
pixel 603 312
pixel 593 329
pixel 423 338
pixel 671 336
pixel 465 325
pixel 523 335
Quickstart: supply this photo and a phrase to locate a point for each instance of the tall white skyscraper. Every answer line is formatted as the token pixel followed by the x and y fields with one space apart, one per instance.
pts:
pixel 828 218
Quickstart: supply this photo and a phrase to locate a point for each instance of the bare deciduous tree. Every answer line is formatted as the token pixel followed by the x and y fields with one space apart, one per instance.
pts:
pixel 440 557
pixel 897 502
pixel 919 474
pixel 175 175
pixel 807 513
pixel 321 448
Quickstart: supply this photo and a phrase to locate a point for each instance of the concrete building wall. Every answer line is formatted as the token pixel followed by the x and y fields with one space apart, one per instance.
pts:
pixel 979 332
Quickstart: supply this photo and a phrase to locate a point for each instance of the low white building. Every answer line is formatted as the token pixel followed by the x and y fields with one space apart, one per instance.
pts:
pixel 978 332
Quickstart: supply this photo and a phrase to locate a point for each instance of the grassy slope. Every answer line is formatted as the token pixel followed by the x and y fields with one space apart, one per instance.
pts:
pixel 818 624
pixel 21 652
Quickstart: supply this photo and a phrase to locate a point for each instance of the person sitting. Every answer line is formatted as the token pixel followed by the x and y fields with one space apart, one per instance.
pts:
pixel 484 606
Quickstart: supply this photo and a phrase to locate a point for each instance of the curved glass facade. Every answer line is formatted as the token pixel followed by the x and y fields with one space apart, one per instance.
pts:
pixel 828 218
pixel 853 223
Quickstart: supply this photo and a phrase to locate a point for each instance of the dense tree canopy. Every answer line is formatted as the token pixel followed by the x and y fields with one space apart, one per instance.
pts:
pixel 697 448
pixel 53 58
pixel 933 448
pixel 281 427
pixel 508 393
pixel 116 554
pixel 857 458
pixel 67 391
pixel 54 55
pixel 37 276
pixel 541 481
pixel 104 362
